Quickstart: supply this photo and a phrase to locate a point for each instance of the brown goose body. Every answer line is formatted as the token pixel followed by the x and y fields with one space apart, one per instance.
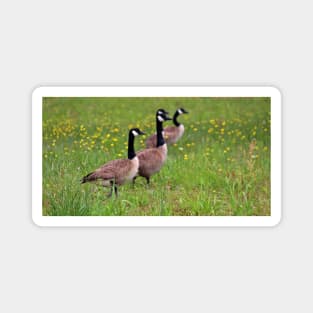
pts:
pixel 117 171
pixel 171 135
pixel 151 160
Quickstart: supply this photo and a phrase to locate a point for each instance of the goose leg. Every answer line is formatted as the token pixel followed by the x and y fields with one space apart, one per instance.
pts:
pixel 115 190
pixel 111 190
pixel 148 180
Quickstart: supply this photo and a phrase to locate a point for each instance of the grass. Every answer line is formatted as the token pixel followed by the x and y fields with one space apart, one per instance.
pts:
pixel 221 166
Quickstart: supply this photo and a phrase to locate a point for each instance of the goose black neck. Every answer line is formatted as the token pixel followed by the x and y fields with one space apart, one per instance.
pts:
pixel 175 119
pixel 159 129
pixel 131 150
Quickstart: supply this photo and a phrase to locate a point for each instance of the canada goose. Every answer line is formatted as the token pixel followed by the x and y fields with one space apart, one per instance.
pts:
pixel 117 172
pixel 171 133
pixel 151 160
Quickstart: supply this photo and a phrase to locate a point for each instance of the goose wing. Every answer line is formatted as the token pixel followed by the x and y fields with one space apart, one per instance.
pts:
pixel 111 170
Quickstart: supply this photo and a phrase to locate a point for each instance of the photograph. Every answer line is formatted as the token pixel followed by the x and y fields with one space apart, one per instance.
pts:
pixel 170 156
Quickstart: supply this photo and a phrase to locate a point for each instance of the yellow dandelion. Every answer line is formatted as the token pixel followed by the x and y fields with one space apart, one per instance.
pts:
pixel 265 148
pixel 108 135
pixel 210 130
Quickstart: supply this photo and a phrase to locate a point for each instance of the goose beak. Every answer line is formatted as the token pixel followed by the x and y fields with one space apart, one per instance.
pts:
pixel 142 133
pixel 167 118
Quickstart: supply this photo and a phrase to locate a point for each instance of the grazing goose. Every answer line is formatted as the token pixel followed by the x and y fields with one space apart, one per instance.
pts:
pixel 171 133
pixel 117 172
pixel 151 160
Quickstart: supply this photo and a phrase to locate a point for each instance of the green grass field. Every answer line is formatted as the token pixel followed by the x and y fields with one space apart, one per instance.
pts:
pixel 220 167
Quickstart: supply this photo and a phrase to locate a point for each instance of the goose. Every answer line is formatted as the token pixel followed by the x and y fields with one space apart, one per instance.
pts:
pixel 117 172
pixel 151 160
pixel 171 133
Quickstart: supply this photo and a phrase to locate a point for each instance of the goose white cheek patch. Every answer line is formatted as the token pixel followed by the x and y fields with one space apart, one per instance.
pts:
pixel 225 159
pixel 160 118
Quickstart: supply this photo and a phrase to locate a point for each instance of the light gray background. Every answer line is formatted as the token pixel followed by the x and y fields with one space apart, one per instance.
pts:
pixel 155 270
